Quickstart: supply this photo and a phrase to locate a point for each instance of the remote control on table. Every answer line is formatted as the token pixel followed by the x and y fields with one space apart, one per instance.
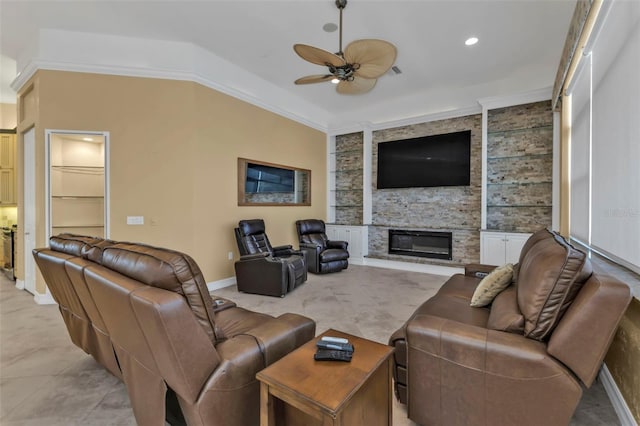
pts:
pixel 334 339
pixel 328 355
pixel 347 347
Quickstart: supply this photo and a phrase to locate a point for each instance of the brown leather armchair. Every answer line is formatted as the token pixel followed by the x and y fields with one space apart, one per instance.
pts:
pixel 262 268
pixel 524 359
pixel 322 255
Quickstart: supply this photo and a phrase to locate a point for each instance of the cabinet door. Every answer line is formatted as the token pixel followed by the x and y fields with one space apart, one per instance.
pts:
pixel 332 232
pixel 7 187
pixel 7 150
pixel 355 243
pixel 513 247
pixel 493 249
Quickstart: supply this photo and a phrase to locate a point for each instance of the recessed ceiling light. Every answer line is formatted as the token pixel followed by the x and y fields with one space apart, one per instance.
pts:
pixel 335 80
pixel 471 41
pixel 329 27
pixel 87 139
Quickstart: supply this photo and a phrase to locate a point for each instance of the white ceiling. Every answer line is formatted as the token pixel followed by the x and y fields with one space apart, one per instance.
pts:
pixel 519 48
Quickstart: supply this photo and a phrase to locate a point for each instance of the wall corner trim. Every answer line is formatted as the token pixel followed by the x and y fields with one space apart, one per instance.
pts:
pixel 44 299
pixel 617 400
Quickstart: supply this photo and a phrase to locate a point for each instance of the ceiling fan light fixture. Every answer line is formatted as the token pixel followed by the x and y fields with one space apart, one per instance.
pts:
pixel 353 71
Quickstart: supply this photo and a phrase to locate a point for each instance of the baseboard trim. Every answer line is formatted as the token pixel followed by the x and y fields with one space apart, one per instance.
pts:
pixel 216 285
pixel 617 400
pixel 20 284
pixel 413 267
pixel 44 299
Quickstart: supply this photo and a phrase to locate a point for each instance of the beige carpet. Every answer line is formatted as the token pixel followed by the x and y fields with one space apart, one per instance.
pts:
pixel 46 380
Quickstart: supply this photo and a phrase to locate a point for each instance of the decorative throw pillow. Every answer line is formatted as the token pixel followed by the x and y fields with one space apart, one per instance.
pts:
pixel 492 285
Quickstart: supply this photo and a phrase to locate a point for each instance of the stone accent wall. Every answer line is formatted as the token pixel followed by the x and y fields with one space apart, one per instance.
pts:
pixel 519 167
pixel 349 164
pixel 454 209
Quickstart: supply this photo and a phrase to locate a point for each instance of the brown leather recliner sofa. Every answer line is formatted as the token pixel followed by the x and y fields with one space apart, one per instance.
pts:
pixel 145 314
pixel 524 359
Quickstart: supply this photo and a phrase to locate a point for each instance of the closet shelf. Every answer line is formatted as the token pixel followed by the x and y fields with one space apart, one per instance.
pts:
pixel 77 226
pixel 73 197
pixel 76 167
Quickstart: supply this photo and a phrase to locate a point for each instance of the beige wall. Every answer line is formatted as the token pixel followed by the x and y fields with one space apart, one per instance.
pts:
pixel 8 116
pixel 173 156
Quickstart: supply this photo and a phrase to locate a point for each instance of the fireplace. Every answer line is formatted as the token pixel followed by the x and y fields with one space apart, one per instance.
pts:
pixel 436 245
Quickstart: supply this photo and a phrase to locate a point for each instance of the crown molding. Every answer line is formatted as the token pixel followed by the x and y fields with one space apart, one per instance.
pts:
pixel 443 115
pixel 528 97
pixel 116 55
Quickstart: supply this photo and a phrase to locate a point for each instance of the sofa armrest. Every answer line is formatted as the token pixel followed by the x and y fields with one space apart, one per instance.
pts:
pixel 285 250
pixel 248 257
pixel 274 338
pixel 478 270
pixel 337 244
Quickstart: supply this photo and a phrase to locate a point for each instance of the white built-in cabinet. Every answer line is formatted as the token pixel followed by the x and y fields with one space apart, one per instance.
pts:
pixel 77 184
pixel 498 248
pixel 356 236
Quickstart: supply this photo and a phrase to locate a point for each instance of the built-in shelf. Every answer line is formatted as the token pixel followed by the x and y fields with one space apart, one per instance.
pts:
pixel 515 206
pixel 77 179
pixel 525 155
pixel 519 166
pixel 520 130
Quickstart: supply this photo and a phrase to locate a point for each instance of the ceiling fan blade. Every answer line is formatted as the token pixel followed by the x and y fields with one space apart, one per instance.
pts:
pixel 375 57
pixel 318 56
pixel 314 79
pixel 357 86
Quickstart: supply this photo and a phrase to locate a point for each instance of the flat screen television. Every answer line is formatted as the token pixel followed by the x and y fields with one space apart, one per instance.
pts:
pixel 439 160
pixel 264 179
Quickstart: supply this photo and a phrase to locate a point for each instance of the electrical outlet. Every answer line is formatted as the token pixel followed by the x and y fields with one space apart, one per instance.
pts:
pixel 230 255
pixel 135 220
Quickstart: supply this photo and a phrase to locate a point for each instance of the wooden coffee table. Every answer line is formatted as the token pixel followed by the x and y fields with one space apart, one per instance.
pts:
pixel 297 390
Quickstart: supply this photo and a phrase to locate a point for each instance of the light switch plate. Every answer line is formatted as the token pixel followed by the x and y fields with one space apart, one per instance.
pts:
pixel 135 220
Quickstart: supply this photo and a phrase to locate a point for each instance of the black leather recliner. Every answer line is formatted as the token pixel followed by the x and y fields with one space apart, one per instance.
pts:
pixel 263 269
pixel 322 255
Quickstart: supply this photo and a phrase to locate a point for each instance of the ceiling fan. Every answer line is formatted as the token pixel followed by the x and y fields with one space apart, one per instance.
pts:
pixel 355 70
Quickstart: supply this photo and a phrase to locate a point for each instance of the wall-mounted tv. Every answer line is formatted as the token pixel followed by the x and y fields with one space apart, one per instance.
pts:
pixel 439 160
